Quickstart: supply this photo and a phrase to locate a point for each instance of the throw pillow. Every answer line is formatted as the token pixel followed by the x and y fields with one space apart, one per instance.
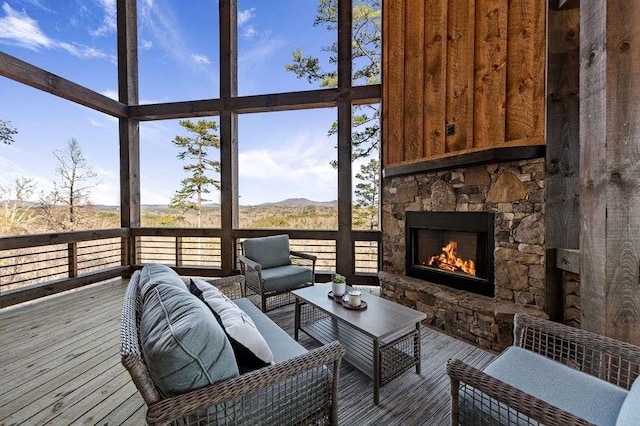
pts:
pixel 182 343
pixel 250 348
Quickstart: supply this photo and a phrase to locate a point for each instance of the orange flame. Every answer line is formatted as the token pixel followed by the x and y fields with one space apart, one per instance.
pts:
pixel 449 260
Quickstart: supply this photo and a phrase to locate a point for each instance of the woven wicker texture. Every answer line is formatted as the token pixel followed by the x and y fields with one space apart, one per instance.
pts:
pixel 268 300
pixel 302 390
pixel 488 401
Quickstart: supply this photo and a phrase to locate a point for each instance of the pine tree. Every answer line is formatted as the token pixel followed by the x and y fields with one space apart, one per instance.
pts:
pixel 367 194
pixel 196 149
pixel 6 132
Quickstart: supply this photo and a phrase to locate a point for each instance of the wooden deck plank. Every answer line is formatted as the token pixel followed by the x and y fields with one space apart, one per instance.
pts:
pixel 82 381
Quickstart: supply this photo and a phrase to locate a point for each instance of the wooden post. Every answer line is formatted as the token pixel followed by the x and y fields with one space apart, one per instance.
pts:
pixel 129 129
pixel 609 164
pixel 344 244
pixel 562 183
pixel 73 259
pixel 228 132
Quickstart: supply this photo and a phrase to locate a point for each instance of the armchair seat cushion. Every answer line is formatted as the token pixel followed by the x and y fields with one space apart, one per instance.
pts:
pixel 590 398
pixel 283 278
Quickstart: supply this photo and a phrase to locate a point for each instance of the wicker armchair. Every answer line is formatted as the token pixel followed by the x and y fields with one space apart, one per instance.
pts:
pixel 276 395
pixel 478 398
pixel 272 270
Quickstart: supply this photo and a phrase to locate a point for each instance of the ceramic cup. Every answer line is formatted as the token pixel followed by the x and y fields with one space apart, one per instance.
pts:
pixel 354 298
pixel 338 288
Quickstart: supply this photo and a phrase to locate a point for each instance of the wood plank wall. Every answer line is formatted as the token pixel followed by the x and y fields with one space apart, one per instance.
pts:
pixel 461 74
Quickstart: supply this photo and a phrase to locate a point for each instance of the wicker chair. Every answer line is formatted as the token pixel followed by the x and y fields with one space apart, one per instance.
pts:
pixel 276 395
pixel 479 398
pixel 272 270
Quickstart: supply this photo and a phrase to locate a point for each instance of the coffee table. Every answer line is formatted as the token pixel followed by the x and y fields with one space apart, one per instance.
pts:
pixel 382 341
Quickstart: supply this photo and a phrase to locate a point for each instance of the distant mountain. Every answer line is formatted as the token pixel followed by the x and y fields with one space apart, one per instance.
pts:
pixel 299 202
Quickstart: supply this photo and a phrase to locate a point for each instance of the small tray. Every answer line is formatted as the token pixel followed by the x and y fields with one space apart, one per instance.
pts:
pixel 337 299
pixel 362 307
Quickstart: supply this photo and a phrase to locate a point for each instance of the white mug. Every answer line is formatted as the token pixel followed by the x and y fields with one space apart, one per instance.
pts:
pixel 354 298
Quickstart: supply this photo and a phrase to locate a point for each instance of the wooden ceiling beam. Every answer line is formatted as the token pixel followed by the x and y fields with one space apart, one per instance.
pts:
pixel 28 74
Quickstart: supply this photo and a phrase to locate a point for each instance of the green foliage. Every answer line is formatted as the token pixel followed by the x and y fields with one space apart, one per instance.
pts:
pixel 366 51
pixel 337 278
pixel 153 219
pixel 367 194
pixel 196 150
pixel 6 132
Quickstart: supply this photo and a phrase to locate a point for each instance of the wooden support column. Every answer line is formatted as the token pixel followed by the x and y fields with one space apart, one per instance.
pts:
pixel 562 185
pixel 129 129
pixel 344 244
pixel 609 167
pixel 228 132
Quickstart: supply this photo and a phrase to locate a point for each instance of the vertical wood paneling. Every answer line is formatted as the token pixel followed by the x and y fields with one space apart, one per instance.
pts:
pixel 385 83
pixel 562 209
pixel 435 76
pixel 414 86
pixel 593 140
pixel 490 73
pixel 622 168
pixel 460 63
pixel 525 69
pixel 395 80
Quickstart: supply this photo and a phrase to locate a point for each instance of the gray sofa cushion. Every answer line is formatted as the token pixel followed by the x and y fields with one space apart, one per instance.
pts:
pixel 183 345
pixel 153 274
pixel 578 393
pixel 630 412
pixel 285 278
pixel 282 345
pixel 269 252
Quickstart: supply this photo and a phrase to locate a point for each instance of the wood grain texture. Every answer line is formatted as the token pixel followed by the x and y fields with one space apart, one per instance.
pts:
pixel 593 172
pixel 435 89
pixel 83 381
pixel 563 130
pixel 622 170
pixel 384 148
pixel 395 79
pixel 414 86
pixel 460 64
pixel 525 107
pixel 490 77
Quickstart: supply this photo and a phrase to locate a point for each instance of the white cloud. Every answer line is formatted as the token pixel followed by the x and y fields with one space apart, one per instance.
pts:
pixel 95 123
pixel 145 44
pixel 109 20
pixel 299 169
pixel 249 32
pixel 109 93
pixel 20 30
pixel 246 15
pixel 200 59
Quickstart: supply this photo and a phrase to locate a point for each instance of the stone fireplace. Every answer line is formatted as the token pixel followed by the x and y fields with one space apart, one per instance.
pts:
pixel 503 200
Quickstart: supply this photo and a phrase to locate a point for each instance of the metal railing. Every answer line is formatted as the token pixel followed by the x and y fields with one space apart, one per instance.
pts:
pixel 33 266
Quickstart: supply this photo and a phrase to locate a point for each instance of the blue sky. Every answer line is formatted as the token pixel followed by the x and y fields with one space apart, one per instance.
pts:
pixel 282 154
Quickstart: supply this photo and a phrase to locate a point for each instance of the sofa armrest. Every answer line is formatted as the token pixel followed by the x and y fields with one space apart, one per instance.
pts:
pixel 612 360
pixel 513 402
pixel 221 394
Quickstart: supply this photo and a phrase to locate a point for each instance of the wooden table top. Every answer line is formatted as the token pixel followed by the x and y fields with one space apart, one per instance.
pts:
pixel 381 318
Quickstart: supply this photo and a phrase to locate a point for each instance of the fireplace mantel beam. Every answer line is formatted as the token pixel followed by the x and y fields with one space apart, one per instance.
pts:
pixel 471 157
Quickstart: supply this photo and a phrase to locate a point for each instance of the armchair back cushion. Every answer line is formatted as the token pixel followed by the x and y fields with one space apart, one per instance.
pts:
pixel 269 252
pixel 183 345
pixel 585 396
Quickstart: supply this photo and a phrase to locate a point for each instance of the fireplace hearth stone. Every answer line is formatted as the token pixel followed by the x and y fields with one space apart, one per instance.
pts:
pixel 484 321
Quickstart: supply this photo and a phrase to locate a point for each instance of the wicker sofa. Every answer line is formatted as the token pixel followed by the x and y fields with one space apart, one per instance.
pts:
pixel 553 375
pixel 300 387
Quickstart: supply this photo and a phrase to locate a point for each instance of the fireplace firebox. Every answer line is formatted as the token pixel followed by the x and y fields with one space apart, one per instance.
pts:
pixel 452 248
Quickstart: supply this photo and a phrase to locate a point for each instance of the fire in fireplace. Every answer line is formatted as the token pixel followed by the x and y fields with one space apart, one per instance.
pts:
pixel 452 248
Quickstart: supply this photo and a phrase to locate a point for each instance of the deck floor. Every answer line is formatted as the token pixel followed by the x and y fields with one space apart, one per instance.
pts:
pixel 60 364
